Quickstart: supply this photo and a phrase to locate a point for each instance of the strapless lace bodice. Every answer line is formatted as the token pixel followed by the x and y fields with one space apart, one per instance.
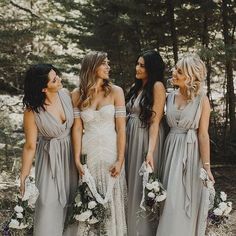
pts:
pixel 99 120
pixel 99 142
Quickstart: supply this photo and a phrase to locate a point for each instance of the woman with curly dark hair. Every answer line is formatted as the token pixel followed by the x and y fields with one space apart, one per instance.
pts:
pixel 145 134
pixel 48 118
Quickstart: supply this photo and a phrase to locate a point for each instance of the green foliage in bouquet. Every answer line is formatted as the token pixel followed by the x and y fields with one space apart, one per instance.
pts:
pixel 218 217
pixel 21 221
pixel 86 209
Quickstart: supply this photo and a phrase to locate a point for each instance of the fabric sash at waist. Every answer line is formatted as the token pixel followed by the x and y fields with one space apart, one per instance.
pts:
pixel 133 115
pixel 191 138
pixel 52 147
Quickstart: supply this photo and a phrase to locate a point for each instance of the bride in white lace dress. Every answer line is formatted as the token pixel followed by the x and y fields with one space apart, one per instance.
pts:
pixel 99 109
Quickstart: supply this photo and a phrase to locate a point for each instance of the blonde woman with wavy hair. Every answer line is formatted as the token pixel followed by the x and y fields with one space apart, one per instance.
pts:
pixel 195 72
pixel 99 111
pixel 186 151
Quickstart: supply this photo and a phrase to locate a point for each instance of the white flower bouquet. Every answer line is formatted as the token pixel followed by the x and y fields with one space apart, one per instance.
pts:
pixel 219 210
pixel 218 216
pixel 21 220
pixel 153 191
pixel 86 209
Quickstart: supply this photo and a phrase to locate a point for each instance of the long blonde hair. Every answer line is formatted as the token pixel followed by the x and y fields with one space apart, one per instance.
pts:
pixel 194 69
pixel 88 78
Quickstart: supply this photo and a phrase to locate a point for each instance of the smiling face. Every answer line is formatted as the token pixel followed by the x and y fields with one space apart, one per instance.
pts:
pixel 102 72
pixel 54 82
pixel 141 72
pixel 178 77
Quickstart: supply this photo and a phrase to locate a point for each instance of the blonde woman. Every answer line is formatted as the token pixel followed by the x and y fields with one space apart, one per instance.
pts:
pixel 186 150
pixel 99 109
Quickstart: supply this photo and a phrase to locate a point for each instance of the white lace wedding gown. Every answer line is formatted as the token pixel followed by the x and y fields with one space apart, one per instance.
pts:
pixel 99 142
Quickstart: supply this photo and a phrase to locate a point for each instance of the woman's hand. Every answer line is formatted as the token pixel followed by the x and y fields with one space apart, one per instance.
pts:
pixel 116 169
pixel 149 160
pixel 22 185
pixel 210 175
pixel 80 168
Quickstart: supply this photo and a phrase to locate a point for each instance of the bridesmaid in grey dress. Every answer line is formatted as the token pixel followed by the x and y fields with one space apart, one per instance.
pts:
pixel 145 135
pixel 186 150
pixel 48 117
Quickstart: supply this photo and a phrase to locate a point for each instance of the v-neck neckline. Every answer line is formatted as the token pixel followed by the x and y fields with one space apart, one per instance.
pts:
pixel 175 106
pixel 59 121
pixel 135 100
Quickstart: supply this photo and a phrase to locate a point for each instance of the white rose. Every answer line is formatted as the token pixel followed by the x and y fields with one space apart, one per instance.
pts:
pixel 18 209
pixel 222 206
pixel 19 215
pixel 151 195
pixel 156 189
pixel 93 220
pixel 155 184
pixel 161 197
pixel 228 209
pixel 149 186
pixel 14 224
pixel 22 226
pixel 223 196
pixel 218 212
pixel 78 204
pixel 77 199
pixel 92 204
pixel 83 216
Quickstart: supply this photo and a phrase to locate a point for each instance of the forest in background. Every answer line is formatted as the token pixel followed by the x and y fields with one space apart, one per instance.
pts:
pixel 61 32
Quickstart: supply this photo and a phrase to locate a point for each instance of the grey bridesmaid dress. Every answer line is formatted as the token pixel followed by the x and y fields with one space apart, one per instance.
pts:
pixel 186 206
pixel 55 171
pixel 136 147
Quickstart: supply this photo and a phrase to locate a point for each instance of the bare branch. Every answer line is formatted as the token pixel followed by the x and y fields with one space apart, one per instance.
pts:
pixel 24 9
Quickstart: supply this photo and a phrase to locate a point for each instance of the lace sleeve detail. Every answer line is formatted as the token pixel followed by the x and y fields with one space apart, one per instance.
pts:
pixel 120 111
pixel 76 112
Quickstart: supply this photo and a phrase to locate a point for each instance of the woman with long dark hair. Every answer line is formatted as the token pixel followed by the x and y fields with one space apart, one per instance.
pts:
pixel 145 134
pixel 48 118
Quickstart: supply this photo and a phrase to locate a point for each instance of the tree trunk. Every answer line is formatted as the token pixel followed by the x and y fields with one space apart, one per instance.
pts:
pixel 228 67
pixel 170 14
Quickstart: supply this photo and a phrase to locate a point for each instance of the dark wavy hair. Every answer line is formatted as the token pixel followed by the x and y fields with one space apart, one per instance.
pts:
pixel 36 79
pixel 155 68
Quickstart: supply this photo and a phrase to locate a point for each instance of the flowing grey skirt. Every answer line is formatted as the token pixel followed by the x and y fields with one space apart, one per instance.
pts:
pixel 137 146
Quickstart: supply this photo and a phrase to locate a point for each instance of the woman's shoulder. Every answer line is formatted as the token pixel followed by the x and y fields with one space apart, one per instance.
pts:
pixel 159 87
pixel 116 90
pixel 75 96
pixel 201 97
pixel 30 114
pixel 159 84
pixel 75 92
